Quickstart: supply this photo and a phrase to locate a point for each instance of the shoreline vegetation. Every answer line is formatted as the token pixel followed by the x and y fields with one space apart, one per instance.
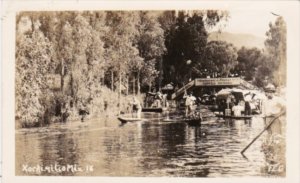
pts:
pixel 77 64
pixel 106 106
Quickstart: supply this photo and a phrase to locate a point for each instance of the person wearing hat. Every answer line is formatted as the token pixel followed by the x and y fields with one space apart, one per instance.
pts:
pixel 272 107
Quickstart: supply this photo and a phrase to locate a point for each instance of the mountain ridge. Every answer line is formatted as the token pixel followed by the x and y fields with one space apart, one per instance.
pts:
pixel 238 39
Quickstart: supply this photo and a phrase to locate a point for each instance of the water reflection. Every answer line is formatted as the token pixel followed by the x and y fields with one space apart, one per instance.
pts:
pixel 150 148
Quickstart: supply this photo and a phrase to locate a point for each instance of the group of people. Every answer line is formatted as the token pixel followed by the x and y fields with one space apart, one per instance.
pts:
pixel 156 100
pixel 236 107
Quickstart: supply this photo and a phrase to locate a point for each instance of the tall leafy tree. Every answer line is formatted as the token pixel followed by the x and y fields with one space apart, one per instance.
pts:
pixel 33 64
pixel 122 54
pixel 82 36
pixel 95 51
pixel 186 41
pixel 248 62
pixel 276 49
pixel 220 58
pixel 150 43
pixel 264 72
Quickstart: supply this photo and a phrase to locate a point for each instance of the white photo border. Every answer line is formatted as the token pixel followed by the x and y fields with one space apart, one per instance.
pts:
pixel 288 9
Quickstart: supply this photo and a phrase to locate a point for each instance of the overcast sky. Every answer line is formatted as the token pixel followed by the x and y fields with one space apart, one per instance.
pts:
pixel 249 22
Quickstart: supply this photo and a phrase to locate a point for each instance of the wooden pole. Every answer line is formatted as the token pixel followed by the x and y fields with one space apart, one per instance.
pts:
pixel 127 85
pixel 62 76
pixel 138 83
pixel 267 127
pixel 112 80
pixel 120 90
pixel 133 85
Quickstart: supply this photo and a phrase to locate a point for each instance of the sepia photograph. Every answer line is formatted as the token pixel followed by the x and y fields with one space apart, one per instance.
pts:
pixel 190 93
pixel 149 93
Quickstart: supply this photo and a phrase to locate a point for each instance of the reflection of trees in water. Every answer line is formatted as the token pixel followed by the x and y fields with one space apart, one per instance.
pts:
pixel 27 149
pixel 59 149
pixel 159 144
pixel 173 146
pixel 122 151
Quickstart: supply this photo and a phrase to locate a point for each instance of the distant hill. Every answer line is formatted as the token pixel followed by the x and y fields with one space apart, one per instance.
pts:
pixel 238 40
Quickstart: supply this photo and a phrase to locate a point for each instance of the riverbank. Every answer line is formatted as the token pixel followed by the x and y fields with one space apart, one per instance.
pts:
pixel 105 103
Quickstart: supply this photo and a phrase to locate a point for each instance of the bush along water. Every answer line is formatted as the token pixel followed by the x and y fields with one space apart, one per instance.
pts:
pixel 59 108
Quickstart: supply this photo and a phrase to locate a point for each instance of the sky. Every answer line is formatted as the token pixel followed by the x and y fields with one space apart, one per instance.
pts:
pixel 249 22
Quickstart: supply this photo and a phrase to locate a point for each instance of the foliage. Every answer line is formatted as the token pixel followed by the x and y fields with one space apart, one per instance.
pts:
pixel 276 49
pixel 151 47
pixel 33 63
pixel 86 48
pixel 185 41
pixel 220 57
pixel 248 62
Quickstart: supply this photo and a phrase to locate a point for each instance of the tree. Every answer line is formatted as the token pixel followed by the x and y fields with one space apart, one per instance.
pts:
pixel 151 47
pixel 276 49
pixel 264 73
pixel 220 58
pixel 82 36
pixel 95 52
pixel 33 64
pixel 248 62
pixel 185 41
pixel 122 54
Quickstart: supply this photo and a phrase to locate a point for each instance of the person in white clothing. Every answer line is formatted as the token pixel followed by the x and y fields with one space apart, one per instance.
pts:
pixel 237 109
pixel 189 103
pixel 272 108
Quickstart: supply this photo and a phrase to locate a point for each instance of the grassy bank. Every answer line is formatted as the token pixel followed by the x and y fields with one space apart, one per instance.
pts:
pixel 105 103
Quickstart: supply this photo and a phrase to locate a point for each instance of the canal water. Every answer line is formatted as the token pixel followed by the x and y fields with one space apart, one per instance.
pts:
pixel 104 147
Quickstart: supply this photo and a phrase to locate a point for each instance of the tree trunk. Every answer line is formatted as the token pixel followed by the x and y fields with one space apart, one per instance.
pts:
pixel 120 84
pixel 127 84
pixel 160 73
pixel 133 85
pixel 120 90
pixel 138 83
pixel 62 76
pixel 112 80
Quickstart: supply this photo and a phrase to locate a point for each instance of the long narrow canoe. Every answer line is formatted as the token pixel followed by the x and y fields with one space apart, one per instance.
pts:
pixel 192 122
pixel 151 109
pixel 234 117
pixel 125 120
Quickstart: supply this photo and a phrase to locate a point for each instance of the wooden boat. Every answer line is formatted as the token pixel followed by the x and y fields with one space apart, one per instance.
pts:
pixel 152 109
pixel 234 117
pixel 125 119
pixel 192 122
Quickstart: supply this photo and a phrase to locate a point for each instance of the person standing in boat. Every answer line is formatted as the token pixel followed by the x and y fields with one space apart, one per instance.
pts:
pixel 189 103
pixel 237 109
pixel 272 107
pixel 136 107
pixel 158 99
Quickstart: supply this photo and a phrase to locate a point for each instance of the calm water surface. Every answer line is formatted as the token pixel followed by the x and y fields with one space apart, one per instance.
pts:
pixel 150 148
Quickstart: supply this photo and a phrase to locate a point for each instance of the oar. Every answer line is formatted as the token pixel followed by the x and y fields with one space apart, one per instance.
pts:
pixel 267 127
